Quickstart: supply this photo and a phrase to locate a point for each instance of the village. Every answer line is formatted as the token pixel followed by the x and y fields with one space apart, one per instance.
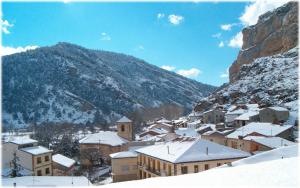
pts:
pixel 194 143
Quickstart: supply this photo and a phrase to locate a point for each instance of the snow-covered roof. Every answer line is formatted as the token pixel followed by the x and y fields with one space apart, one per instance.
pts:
pixel 186 132
pixel 271 142
pixel 123 154
pixel 36 150
pixel 205 126
pixel 279 169
pixel 104 137
pixel 63 160
pixel 124 119
pixel 22 140
pixel 246 116
pixel 194 122
pixel 266 129
pixel 164 120
pixel 46 181
pixel 278 108
pixel 190 150
pixel 236 112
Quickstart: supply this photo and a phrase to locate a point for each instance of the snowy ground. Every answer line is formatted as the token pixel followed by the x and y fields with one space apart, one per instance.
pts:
pixel 46 181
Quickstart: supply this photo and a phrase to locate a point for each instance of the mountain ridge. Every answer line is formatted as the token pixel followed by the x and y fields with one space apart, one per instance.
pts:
pixel 70 83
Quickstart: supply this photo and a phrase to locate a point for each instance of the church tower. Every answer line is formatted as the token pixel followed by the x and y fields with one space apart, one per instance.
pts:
pixel 124 126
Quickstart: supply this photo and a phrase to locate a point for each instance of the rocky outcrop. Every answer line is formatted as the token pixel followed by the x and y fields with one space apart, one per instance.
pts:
pixel 275 32
pixel 267 81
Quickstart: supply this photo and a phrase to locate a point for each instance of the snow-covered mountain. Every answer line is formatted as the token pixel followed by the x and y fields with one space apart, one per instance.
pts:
pixel 69 83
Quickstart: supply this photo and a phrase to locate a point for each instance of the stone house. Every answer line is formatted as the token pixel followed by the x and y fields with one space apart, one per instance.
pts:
pixel 124 166
pixel 96 148
pixel 213 116
pixel 37 159
pixel 246 118
pixel 62 165
pixel 182 156
pixel 274 115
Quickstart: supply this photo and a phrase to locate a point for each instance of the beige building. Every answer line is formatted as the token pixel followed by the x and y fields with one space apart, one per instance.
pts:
pixel 96 148
pixel 182 156
pixel 37 159
pixel 62 165
pixel 124 166
pixel 214 116
pixel 273 115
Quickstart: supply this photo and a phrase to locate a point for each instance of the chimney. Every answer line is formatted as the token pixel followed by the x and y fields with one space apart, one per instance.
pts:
pixel 168 149
pixel 206 150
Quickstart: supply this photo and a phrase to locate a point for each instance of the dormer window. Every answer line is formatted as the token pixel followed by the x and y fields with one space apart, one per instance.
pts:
pixel 122 128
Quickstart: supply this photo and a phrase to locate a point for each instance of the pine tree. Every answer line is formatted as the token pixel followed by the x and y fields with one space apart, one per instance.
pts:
pixel 16 167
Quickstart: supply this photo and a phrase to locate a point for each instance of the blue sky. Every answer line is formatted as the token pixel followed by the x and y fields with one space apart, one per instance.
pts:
pixel 183 37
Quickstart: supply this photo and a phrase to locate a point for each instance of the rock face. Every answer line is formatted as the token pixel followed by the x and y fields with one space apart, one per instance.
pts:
pixel 271 80
pixel 69 83
pixel 275 32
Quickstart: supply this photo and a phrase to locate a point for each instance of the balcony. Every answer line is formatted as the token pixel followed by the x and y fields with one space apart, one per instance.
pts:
pixel 151 170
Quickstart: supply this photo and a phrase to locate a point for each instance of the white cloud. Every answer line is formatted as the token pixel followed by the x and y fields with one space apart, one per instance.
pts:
pixel 141 47
pixel 221 44
pixel 226 27
pixel 257 8
pixel 5 25
pixel 168 68
pixel 105 36
pixel 175 19
pixel 217 35
pixel 6 50
pixel 190 73
pixel 236 41
pixel 225 75
pixel 160 15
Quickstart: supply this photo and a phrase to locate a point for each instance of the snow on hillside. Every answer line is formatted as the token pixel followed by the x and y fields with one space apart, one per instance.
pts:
pixel 69 83
pixel 267 169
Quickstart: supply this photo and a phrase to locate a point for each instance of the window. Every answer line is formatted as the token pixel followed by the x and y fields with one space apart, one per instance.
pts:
pixel 125 168
pixel 39 172
pixel 196 169
pixel 47 158
pixel 234 145
pixel 39 160
pixel 169 170
pixel 47 171
pixel 122 128
pixel 206 166
pixel 184 170
pixel 218 164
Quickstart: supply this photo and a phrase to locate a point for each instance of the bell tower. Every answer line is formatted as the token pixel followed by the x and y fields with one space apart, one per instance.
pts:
pixel 124 126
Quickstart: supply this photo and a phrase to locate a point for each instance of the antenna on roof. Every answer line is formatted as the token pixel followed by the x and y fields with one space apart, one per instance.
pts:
pixel 206 150
pixel 168 149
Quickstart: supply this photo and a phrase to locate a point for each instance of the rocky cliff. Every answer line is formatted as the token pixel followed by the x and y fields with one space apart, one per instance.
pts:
pixel 266 69
pixel 275 32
